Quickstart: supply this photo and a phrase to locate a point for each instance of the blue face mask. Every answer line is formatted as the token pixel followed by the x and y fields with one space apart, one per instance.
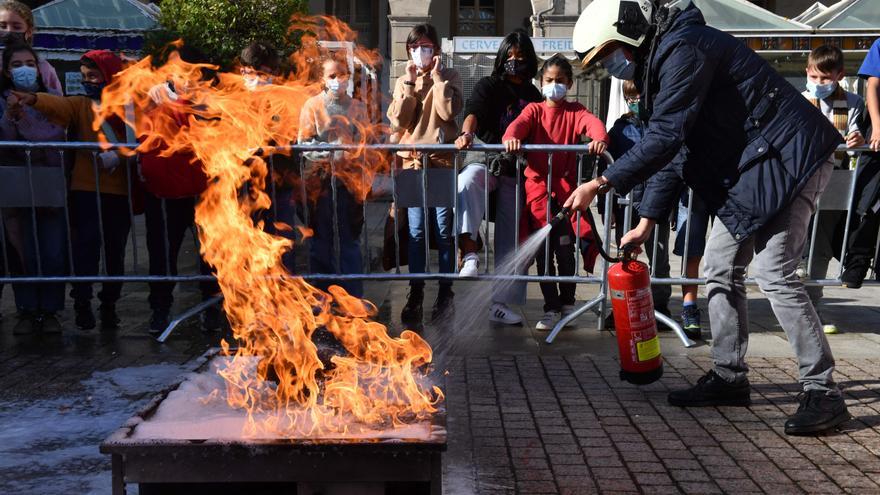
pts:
pixel 93 90
pixel 554 91
pixel 821 91
pixel 25 78
pixel 618 65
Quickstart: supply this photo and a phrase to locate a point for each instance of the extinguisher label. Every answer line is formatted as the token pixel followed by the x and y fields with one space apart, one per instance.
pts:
pixel 648 349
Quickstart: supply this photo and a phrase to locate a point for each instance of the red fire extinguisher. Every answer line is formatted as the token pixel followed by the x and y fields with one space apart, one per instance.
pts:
pixel 629 281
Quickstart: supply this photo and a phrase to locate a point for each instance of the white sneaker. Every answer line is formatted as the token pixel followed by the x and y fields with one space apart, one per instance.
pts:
pixel 567 310
pixel 470 266
pixel 549 320
pixel 801 270
pixel 501 313
pixel 829 329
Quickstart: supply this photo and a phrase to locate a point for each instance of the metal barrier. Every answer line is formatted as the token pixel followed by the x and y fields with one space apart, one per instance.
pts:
pixel 32 187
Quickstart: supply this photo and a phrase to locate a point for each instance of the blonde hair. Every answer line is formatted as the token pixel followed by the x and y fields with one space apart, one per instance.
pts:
pixel 21 10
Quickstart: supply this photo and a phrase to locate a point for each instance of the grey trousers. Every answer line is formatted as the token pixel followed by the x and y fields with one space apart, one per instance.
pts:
pixel 472 190
pixel 774 252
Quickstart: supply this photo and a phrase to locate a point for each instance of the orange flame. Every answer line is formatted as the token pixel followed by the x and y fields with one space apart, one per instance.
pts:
pixel 381 381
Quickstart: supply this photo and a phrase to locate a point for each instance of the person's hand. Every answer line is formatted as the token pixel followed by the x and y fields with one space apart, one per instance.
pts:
pixel 464 141
pixel 436 67
pixel 582 197
pixel 855 139
pixel 512 145
pixel 597 147
pixel 13 107
pixel 638 235
pixel 411 70
pixel 874 142
pixel 25 98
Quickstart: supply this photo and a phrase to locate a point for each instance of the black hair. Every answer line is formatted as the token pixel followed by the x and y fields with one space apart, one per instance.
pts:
pixel 826 58
pixel 517 39
pixel 260 54
pixel 6 80
pixel 419 30
pixel 560 61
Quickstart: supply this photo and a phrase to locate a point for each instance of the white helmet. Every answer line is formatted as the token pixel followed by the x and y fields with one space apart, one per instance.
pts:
pixel 605 21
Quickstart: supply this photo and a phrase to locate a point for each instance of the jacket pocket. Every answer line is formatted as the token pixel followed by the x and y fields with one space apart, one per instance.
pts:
pixel 754 151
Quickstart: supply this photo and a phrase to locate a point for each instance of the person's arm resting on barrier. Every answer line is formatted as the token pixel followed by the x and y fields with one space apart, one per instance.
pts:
pixel 589 125
pixel 59 109
pixel 520 128
pixel 685 78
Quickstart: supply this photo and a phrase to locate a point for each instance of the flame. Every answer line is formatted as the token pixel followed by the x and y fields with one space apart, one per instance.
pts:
pixel 380 380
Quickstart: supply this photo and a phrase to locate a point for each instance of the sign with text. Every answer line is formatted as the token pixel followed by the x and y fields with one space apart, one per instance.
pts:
pixel 468 44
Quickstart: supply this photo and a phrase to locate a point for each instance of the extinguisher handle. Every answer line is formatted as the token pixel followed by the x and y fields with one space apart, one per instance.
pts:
pixel 630 252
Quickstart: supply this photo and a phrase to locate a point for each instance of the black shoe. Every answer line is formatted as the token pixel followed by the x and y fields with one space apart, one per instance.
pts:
pixel 445 302
pixel 213 319
pixel 85 318
pixel 27 323
pixel 854 275
pixel 712 390
pixel 109 319
pixel 158 321
pixel 412 312
pixel 49 323
pixel 818 412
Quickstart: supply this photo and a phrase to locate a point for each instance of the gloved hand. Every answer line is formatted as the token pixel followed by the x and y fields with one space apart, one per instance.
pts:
pixel 108 160
pixel 161 93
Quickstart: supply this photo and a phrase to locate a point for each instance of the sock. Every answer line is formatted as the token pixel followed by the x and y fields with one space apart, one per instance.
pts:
pixel 689 304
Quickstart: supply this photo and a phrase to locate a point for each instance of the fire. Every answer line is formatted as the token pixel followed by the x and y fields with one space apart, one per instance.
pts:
pixel 379 381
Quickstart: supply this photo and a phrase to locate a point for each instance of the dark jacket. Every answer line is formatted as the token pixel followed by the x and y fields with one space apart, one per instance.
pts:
pixel 724 121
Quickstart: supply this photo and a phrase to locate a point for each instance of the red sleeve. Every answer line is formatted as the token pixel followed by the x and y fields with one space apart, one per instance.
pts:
pixel 589 124
pixel 521 127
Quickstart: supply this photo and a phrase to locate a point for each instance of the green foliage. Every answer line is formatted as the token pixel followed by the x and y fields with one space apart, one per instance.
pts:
pixel 221 28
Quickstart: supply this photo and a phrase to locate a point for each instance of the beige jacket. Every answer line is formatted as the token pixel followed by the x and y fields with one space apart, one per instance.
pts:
pixel 425 113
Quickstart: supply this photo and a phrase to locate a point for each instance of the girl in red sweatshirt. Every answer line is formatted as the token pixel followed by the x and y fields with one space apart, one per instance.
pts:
pixel 554 121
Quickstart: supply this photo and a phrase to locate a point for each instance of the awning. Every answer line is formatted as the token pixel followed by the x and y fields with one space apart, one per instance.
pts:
pixel 857 14
pixel 117 15
pixel 810 12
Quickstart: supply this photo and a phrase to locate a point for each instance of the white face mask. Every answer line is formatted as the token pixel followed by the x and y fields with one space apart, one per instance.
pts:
pixel 422 56
pixel 335 87
pixel 252 82
pixel 554 91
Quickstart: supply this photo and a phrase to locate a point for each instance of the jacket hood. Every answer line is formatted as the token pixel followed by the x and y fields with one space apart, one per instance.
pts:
pixel 689 16
pixel 108 62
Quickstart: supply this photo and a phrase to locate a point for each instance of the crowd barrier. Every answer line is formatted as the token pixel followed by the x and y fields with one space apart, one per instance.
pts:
pixel 29 187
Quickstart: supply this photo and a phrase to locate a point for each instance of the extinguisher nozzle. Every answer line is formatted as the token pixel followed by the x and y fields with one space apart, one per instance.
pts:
pixel 562 215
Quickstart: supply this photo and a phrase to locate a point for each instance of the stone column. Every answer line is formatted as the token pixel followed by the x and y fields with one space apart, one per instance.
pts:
pixel 405 14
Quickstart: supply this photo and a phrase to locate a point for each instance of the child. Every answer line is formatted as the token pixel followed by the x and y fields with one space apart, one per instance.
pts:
pixel 37 304
pixel 863 235
pixel 172 185
pixel 75 114
pixel 426 100
pixel 331 117
pixel 845 111
pixel 17 26
pixel 554 121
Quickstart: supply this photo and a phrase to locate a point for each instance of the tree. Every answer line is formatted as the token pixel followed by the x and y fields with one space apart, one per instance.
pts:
pixel 221 28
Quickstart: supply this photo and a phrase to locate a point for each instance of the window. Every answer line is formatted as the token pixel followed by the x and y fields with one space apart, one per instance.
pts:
pixel 360 15
pixel 477 17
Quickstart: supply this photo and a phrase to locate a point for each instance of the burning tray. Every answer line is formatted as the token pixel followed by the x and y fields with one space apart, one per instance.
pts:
pixel 170 449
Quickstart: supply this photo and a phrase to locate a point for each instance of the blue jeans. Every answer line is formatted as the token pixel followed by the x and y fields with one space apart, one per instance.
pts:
pixel 51 230
pixel 698 225
pixel 322 250
pixel 441 227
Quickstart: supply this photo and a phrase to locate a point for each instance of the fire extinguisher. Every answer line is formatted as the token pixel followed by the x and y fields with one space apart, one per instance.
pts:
pixel 629 281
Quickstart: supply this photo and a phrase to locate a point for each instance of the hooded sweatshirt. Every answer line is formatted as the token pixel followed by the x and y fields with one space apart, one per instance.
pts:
pixel 76 114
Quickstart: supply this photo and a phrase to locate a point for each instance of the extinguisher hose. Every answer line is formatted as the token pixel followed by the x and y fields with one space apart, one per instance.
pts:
pixel 628 250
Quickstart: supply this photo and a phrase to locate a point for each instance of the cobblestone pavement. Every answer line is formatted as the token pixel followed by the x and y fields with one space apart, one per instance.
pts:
pixel 529 418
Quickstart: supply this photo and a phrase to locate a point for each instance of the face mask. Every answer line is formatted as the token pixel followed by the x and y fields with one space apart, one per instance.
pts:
pixel 11 38
pixel 821 91
pixel 633 107
pixel 618 65
pixel 554 91
pixel 335 87
pixel 25 78
pixel 516 68
pixel 93 90
pixel 422 56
